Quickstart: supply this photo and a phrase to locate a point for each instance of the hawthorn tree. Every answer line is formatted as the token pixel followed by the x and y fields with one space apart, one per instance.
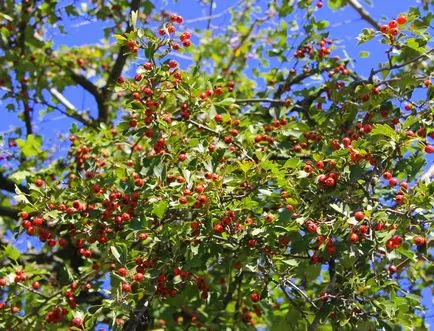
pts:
pixel 204 193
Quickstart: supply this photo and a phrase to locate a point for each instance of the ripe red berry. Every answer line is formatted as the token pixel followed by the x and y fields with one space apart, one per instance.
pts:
pixel 76 321
pixel 319 4
pixel 330 182
pixel 393 182
pixel 419 241
pixel 142 236
pixel 255 297
pixel 126 287
pixel 401 19
pixel 183 200
pixel 252 242
pixel 393 24
pixel 218 228
pixel 394 31
pixel 354 238
pixel 392 269
pixel 429 149
pixel 384 29
pixel 36 285
pixel 408 106
pixel 122 272
pixel 359 215
pixel 39 182
pixel 138 277
pixel 311 227
pixel 387 175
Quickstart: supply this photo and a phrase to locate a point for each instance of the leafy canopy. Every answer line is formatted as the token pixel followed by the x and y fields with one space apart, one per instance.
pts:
pixel 242 177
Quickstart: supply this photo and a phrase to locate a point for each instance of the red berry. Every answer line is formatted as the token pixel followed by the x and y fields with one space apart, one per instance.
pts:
pixel 122 272
pixel 255 297
pixel 387 175
pixel 138 277
pixel 354 238
pixel 393 182
pixel 36 285
pixel 392 269
pixel 429 149
pixel 218 228
pixel 401 19
pixel 76 321
pixel 148 65
pixel 39 182
pixel 394 31
pixel 126 287
pixel 359 215
pixel 384 29
pixel 393 24
pixel 419 241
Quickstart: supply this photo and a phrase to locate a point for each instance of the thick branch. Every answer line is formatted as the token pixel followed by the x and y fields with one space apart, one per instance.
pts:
pixel 363 13
pixel 23 28
pixel 116 70
pixel 8 185
pixel 8 212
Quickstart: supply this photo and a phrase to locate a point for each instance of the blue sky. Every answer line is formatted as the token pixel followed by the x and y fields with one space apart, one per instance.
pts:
pixel 345 26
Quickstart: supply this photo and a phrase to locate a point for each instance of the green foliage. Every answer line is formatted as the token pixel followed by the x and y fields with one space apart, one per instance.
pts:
pixel 216 196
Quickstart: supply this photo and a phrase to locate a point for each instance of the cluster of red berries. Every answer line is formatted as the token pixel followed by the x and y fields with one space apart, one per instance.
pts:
pixel 394 242
pixel 400 197
pixel 227 223
pixel 392 29
pixel 309 50
pixel 201 198
pixel 56 315
pixel 170 29
pixel 329 243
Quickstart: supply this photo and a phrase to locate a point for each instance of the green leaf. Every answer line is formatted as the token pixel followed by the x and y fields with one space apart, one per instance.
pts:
pixel 225 102
pixel 32 146
pixel 159 209
pixel 120 37
pixel 385 130
pixel 20 176
pixel 12 253
pixel 336 4
pixel 292 163
pixel 366 35
pixel 116 254
pixel 245 166
pixel 363 54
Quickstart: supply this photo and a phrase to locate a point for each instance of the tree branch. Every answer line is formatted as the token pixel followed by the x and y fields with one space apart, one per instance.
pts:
pixel 363 13
pixel 22 41
pixel 8 212
pixel 8 185
pixel 398 66
pixel 116 70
